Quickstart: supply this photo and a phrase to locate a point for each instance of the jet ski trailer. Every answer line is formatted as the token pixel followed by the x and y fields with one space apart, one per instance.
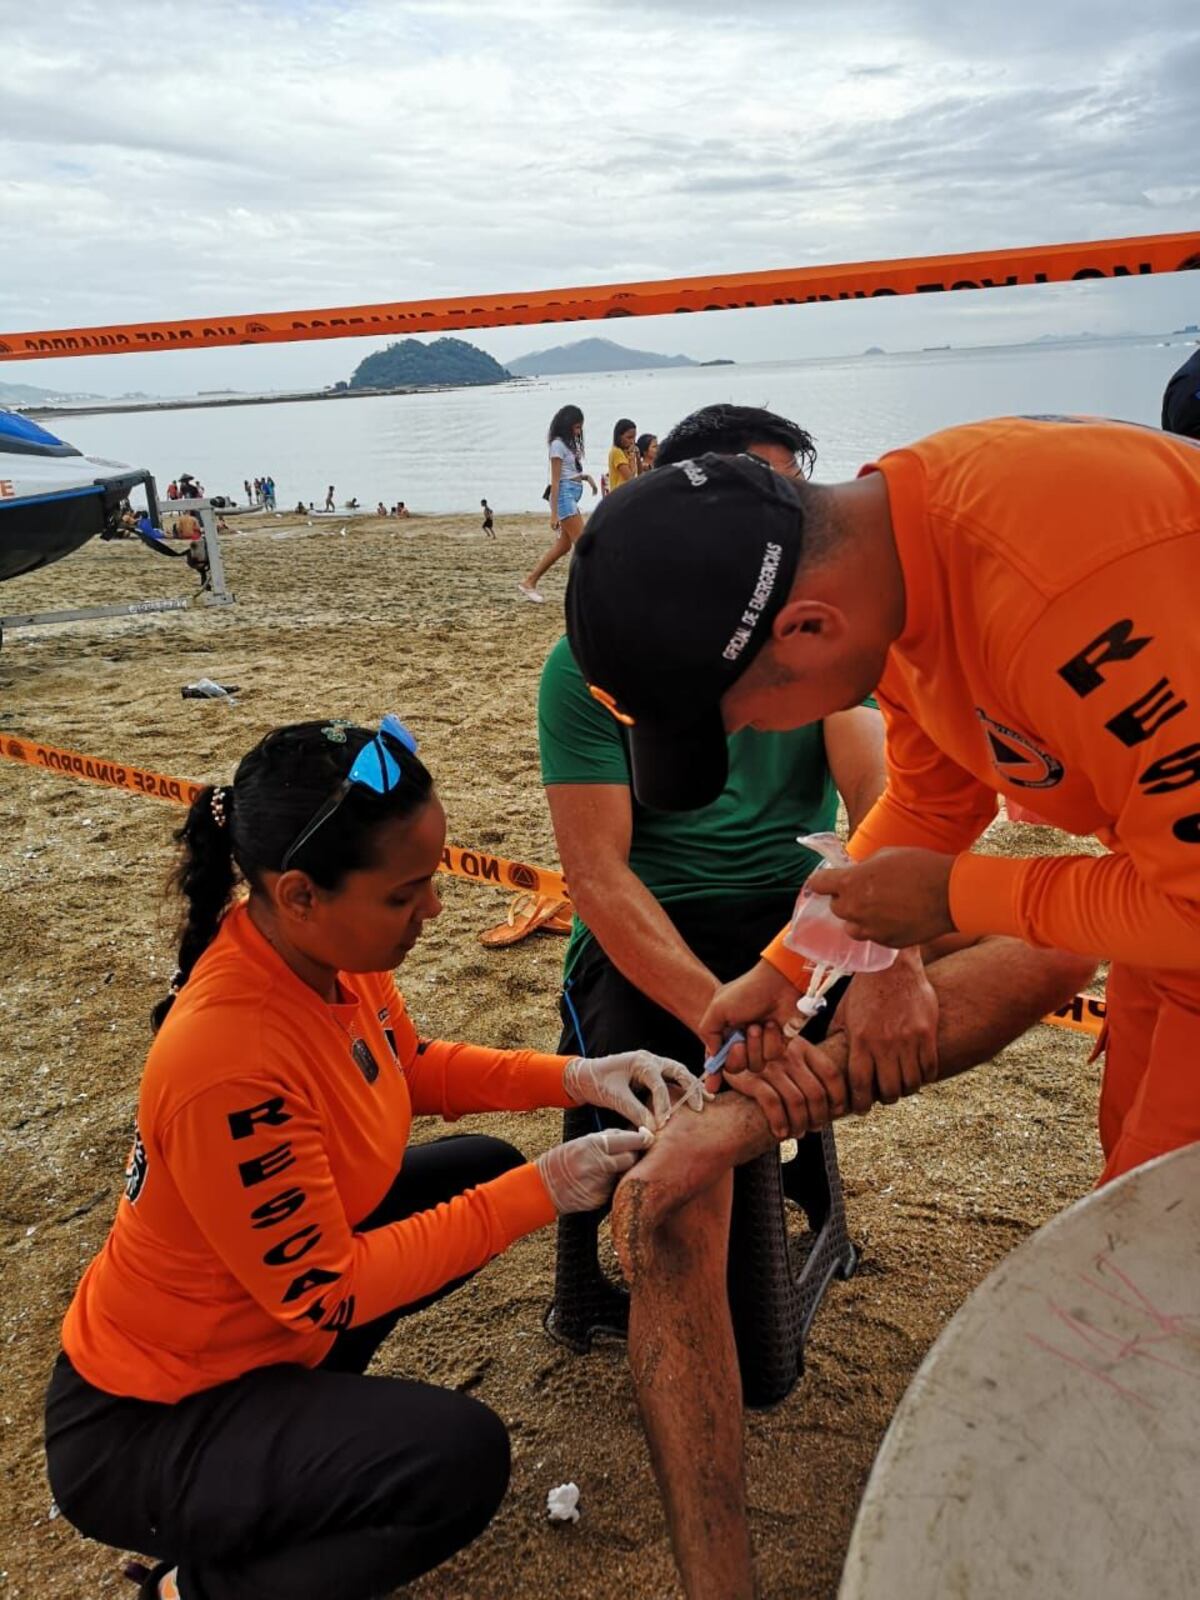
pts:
pixel 53 499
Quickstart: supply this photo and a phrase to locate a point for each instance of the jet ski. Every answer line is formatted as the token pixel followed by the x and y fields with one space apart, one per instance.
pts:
pixel 53 499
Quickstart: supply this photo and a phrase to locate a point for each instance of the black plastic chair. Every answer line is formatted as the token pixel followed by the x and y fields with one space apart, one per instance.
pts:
pixel 776 1282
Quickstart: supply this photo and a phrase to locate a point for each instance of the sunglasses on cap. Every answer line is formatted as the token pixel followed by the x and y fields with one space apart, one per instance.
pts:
pixel 375 768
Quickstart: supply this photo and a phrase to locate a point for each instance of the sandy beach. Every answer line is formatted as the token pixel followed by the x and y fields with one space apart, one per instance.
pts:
pixel 422 617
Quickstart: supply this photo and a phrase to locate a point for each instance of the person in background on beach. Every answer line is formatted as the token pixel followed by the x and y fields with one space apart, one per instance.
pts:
pixel 647 449
pixel 352 505
pixel 489 530
pixel 380 509
pixel 400 509
pixel 1181 401
pixel 172 490
pixel 269 493
pixel 564 493
pixel 210 1406
pixel 187 526
pixel 329 501
pixel 623 455
pixel 249 492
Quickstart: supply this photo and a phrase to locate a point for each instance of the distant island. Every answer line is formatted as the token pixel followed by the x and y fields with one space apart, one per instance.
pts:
pixel 595 355
pixel 410 362
pixel 28 394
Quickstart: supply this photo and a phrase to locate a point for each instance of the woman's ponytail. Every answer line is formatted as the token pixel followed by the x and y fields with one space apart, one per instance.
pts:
pixel 205 877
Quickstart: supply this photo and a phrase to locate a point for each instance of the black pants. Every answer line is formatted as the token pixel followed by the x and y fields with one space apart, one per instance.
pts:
pixel 602 1012
pixel 293 1482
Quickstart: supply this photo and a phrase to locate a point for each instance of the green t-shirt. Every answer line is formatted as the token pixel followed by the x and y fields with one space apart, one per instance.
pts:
pixel 779 786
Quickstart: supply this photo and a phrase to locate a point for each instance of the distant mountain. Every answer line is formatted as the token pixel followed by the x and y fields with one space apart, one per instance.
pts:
pixel 27 394
pixel 411 362
pixel 591 355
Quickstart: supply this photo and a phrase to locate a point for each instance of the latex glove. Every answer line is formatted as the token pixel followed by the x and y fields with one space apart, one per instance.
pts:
pixel 582 1174
pixel 609 1081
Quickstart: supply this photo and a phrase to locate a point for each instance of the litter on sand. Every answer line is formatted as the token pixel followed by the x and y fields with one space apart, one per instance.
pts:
pixel 562 1503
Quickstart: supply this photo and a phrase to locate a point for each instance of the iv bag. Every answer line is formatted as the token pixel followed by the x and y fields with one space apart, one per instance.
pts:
pixel 818 933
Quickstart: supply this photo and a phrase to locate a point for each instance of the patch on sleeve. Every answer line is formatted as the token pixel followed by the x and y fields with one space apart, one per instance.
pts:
pixel 364 1060
pixel 135 1169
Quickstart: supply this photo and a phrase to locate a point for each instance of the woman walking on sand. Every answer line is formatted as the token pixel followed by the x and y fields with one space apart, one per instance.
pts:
pixel 567 479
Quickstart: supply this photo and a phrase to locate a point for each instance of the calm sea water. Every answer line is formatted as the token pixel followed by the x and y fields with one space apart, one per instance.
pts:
pixel 443 452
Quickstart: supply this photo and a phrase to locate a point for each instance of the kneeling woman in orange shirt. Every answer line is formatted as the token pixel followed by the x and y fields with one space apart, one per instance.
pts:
pixel 209 1408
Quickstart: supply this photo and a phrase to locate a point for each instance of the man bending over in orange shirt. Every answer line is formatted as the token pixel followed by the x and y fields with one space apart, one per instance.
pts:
pixel 1020 596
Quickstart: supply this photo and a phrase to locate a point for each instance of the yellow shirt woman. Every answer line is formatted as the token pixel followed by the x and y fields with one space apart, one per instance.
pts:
pixel 622 458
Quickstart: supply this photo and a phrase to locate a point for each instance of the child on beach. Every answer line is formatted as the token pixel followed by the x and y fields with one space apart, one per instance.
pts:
pixel 210 1407
pixel 567 479
pixel 489 531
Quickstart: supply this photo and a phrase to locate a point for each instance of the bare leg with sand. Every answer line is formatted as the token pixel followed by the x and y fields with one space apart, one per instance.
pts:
pixel 569 530
pixel 670 1224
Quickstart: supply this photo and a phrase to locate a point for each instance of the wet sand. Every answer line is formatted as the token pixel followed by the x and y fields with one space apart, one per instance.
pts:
pixel 422 617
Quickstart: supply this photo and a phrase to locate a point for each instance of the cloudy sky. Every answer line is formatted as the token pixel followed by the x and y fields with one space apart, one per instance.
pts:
pixel 162 158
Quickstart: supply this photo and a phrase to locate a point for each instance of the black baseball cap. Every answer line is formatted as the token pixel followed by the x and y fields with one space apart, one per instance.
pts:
pixel 672 593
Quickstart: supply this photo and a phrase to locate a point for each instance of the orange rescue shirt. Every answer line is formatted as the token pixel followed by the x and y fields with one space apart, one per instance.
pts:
pixel 1051 653
pixel 270 1124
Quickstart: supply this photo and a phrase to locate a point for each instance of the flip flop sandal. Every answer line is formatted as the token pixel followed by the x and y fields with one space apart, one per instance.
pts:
pixel 526 914
pixel 562 919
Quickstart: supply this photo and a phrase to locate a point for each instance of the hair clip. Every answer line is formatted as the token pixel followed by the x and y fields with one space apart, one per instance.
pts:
pixel 177 981
pixel 335 731
pixel 216 804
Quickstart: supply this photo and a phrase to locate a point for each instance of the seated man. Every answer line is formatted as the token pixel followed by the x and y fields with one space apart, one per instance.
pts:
pixel 665 901
pixel 669 906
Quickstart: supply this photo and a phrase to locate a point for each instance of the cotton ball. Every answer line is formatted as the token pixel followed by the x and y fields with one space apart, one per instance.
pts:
pixel 563 1503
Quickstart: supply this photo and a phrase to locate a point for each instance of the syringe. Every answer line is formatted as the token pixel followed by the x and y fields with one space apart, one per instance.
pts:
pixel 712 1066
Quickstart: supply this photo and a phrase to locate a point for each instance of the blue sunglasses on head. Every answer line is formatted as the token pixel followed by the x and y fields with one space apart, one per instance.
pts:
pixel 375 767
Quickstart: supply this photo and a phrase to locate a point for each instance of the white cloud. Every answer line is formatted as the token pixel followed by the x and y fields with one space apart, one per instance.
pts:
pixel 164 158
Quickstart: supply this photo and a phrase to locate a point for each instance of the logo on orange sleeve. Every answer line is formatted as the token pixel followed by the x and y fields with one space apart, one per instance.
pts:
pixel 135 1168
pixel 1017 759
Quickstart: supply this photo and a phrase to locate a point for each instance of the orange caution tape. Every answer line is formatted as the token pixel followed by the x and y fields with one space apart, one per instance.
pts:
pixel 479 867
pixel 112 774
pixel 476 865
pixel 1084 1014
pixel 784 286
